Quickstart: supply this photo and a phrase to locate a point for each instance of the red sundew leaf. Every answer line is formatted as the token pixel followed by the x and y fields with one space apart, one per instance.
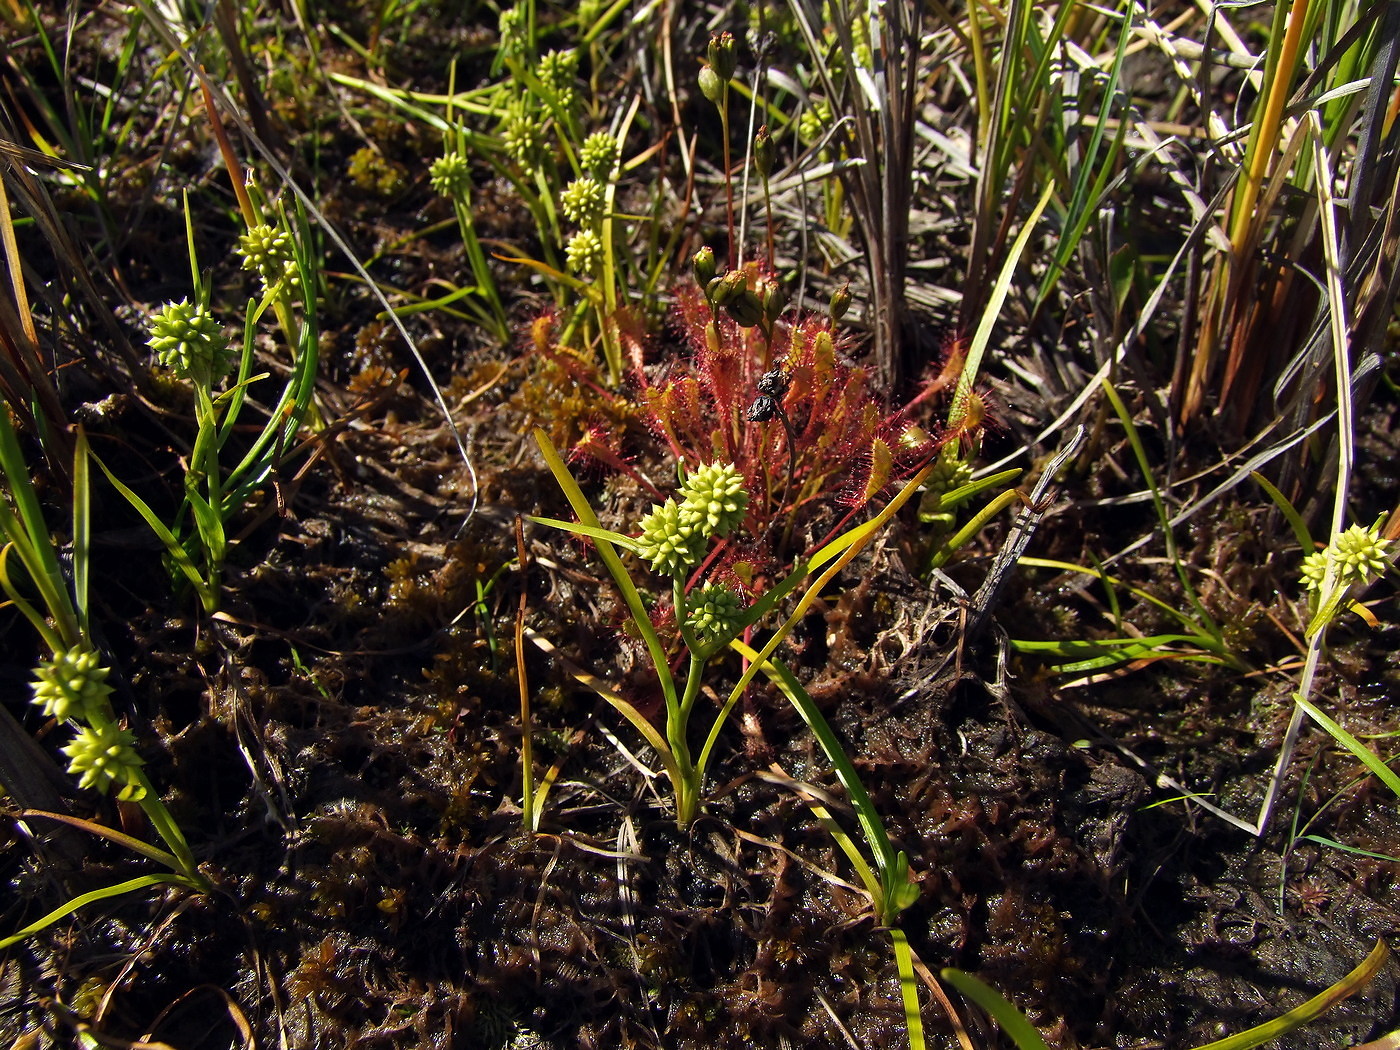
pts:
pixel 881 467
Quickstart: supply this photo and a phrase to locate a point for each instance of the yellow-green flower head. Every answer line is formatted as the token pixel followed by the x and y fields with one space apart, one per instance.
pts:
pixel 584 252
pixel 599 154
pixel 714 500
pixel 450 175
pixel 268 251
pixel 1313 570
pixel 582 201
pixel 521 134
pixel 713 611
pixel 188 341
pixel 102 756
pixel 1360 553
pixel 513 25
pixel 557 72
pixel 72 685
pixel 671 548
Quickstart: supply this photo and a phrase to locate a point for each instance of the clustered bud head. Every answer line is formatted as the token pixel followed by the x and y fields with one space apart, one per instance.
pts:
pixel 815 119
pixel 521 134
pixel 100 756
pixel 582 201
pixel 666 543
pixel 714 499
pixel 1359 554
pixel 950 471
pixel 188 341
pixel 513 26
pixel 674 535
pixel 72 685
pixel 599 154
pixel 584 252
pixel 713 611
pixel 450 175
pixel 558 69
pixel 268 252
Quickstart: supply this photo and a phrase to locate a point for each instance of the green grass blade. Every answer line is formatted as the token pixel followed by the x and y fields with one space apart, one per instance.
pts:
pixel 1301 1015
pixel 82 530
pixel 207 596
pixel 586 516
pixel 1295 520
pixel 1368 758
pixel 908 988
pixel 1355 851
pixel 1001 1010
pixel 90 897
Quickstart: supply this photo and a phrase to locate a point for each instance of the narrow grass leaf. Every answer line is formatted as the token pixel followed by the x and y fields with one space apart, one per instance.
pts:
pixel 90 897
pixel 1354 850
pixel 1301 1015
pixel 1369 758
pixel 1001 1010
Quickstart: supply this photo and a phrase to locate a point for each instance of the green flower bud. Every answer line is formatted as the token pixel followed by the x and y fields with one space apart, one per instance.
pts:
pixel 713 611
pixel 450 175
pixel 722 57
pixel 599 154
pixel 723 289
pixel 72 685
pixel 710 84
pixel 102 755
pixel 713 500
pixel 189 342
pixel 268 252
pixel 702 264
pixel 584 252
pixel 774 299
pixel 763 153
pixel 670 548
pixel 745 308
pixel 840 303
pixel 582 201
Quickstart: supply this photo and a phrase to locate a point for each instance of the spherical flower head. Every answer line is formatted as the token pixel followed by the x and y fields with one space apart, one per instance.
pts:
pixel 950 471
pixel 814 121
pixel 1360 553
pixel 713 611
pixel 513 24
pixel 599 154
pixel 558 70
pixel 582 201
pixel 1313 570
pixel 268 251
pixel 670 548
pixel 188 341
pixel 714 500
pixel 450 175
pixel 100 756
pixel 584 252
pixel 521 135
pixel 72 685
